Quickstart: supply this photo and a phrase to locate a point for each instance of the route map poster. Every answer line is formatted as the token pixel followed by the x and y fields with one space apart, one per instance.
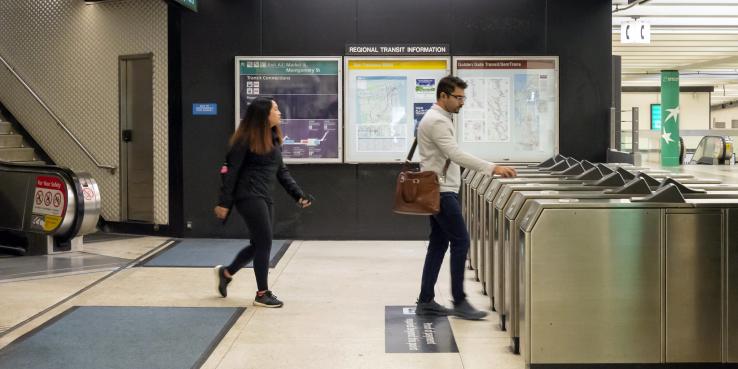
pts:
pixel 308 91
pixel 385 98
pixel 511 108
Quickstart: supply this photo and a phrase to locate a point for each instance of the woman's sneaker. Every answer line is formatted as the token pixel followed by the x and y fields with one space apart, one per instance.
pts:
pixel 268 299
pixel 221 281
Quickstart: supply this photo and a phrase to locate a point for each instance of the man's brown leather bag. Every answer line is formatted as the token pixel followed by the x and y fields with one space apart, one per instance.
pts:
pixel 418 193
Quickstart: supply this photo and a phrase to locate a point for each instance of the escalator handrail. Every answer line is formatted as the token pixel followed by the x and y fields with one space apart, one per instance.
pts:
pixel 703 140
pixel 69 176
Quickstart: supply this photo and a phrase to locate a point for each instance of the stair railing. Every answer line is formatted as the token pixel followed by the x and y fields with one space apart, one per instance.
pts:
pixel 56 119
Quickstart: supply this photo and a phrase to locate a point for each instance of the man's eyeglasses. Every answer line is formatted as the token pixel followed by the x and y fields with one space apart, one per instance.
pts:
pixel 458 97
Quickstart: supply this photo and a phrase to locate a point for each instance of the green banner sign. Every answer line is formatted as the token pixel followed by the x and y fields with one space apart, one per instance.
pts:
pixel 189 4
pixel 670 118
pixel 287 67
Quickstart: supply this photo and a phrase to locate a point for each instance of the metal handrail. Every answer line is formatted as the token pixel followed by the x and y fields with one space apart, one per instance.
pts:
pixel 58 121
pixel 636 2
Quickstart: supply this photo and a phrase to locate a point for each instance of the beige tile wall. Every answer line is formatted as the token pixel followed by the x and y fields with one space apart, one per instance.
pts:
pixel 68 52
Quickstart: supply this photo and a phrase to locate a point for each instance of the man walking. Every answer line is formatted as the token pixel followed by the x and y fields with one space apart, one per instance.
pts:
pixel 436 143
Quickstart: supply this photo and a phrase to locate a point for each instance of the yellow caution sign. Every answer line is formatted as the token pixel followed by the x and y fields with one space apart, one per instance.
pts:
pixel 397 64
pixel 51 222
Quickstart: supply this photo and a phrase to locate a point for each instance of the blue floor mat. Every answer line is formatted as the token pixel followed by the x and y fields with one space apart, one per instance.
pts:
pixel 93 337
pixel 202 252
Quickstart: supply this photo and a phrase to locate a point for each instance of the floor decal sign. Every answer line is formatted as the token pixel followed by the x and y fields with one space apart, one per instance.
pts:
pixel 406 332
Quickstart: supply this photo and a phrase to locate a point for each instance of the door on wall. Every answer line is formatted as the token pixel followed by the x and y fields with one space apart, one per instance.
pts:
pixel 136 138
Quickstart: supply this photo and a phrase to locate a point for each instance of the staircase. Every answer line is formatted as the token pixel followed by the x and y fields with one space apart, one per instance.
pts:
pixel 13 147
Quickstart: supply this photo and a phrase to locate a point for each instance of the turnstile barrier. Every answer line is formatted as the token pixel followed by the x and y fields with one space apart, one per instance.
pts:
pixel 592 292
pixel 520 199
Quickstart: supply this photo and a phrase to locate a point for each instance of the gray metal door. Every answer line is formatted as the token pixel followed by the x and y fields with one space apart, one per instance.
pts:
pixel 137 144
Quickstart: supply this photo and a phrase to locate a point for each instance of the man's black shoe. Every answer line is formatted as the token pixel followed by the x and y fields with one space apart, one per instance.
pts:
pixel 221 281
pixel 431 309
pixel 268 299
pixel 464 310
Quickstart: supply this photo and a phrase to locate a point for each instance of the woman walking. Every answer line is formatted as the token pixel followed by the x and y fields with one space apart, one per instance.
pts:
pixel 254 162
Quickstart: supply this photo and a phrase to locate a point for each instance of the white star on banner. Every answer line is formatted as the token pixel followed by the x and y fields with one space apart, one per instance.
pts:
pixel 673 113
pixel 667 136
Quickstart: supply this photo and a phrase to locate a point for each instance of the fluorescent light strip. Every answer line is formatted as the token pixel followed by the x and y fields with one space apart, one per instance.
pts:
pixel 691 2
pixel 682 21
pixel 679 11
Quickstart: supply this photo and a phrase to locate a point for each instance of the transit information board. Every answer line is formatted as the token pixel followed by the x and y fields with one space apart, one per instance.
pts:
pixel 308 92
pixel 511 109
pixel 385 98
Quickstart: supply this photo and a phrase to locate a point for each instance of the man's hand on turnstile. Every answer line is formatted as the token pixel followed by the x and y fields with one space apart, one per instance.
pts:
pixel 504 172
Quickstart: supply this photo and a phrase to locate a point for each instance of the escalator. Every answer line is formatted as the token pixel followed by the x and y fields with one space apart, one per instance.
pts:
pixel 45 209
pixel 712 150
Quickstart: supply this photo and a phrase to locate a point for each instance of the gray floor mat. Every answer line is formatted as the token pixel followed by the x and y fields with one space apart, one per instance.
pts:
pixel 202 252
pixel 94 337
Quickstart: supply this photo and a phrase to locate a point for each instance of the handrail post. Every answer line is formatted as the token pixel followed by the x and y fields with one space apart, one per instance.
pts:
pixel 634 143
pixel 634 124
pixel 614 145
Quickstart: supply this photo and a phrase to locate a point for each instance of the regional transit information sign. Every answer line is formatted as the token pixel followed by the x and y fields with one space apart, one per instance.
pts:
pixel 308 92
pixel 385 100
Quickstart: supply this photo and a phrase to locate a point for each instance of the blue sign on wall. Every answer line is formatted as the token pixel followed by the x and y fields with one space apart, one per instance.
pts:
pixel 656 117
pixel 204 109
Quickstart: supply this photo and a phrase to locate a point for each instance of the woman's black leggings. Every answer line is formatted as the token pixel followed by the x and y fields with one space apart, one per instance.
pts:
pixel 257 213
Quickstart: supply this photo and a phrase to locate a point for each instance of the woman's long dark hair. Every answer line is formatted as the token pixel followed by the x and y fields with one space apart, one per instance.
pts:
pixel 254 128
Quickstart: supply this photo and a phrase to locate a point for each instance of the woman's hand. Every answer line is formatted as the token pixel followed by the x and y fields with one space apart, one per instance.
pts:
pixel 303 202
pixel 221 212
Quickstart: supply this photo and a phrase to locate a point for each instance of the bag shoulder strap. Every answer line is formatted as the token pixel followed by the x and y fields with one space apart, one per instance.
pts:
pixel 412 152
pixel 445 168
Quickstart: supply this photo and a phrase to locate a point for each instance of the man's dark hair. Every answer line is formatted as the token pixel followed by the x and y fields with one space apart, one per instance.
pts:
pixel 448 84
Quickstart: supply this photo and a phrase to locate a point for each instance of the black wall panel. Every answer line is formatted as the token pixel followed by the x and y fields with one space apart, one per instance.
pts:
pixel 393 21
pixel 616 92
pixel 354 201
pixel 579 32
pixel 315 27
pixel 211 39
pixel 499 27
pixel 334 214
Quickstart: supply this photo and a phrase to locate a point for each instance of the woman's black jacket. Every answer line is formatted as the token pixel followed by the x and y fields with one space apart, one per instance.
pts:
pixel 253 175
